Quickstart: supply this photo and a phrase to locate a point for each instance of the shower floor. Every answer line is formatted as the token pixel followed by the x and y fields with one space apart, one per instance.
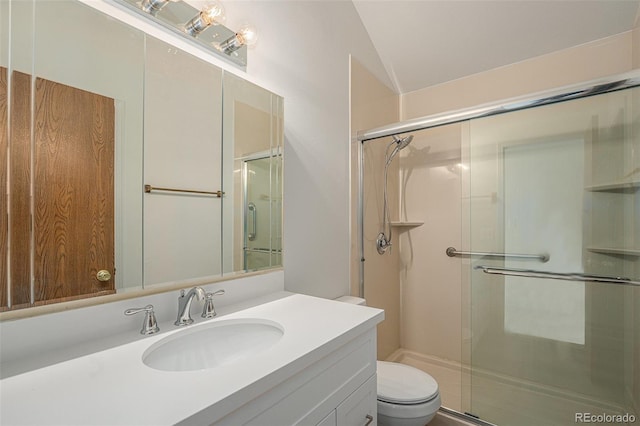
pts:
pixel 507 399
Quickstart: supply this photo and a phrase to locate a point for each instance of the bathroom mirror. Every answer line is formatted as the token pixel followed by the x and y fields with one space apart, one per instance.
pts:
pixel 152 118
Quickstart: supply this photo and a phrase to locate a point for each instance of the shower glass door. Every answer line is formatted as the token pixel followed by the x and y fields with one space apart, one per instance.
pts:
pixel 262 213
pixel 561 182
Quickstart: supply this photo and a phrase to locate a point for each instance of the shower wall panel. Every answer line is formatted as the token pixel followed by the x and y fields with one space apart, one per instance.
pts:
pixel 374 104
pixel 430 173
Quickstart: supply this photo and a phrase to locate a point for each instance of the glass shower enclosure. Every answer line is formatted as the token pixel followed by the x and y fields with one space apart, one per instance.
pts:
pixel 555 335
pixel 549 258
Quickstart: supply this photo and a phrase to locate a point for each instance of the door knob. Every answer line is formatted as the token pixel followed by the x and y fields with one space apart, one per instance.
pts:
pixel 103 275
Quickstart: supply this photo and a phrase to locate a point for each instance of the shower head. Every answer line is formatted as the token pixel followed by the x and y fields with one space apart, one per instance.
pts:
pixel 400 144
pixel 384 237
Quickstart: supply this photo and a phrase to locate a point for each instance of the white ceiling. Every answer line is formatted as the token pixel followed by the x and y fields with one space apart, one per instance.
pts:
pixel 426 42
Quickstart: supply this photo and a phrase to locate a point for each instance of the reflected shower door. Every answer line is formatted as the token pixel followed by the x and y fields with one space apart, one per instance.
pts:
pixel 262 247
pixel 561 180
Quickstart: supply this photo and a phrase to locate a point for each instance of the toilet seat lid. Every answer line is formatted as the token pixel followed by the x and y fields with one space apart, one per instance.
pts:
pixel 403 384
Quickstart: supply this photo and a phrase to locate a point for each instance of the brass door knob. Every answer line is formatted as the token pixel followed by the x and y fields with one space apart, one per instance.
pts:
pixel 103 275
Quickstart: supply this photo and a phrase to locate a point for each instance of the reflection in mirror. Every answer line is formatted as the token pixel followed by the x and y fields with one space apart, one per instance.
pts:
pixel 183 119
pixel 252 138
pixel 260 208
pixel 80 93
pixel 72 102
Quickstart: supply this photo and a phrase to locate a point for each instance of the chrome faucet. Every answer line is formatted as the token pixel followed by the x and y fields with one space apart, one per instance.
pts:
pixel 184 305
pixel 150 325
pixel 209 311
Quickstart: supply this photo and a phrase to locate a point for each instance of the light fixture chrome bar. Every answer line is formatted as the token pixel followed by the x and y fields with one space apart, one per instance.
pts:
pixel 567 93
pixel 558 276
pixel 174 15
pixel 230 45
pixel 149 188
pixel 153 6
pixel 452 252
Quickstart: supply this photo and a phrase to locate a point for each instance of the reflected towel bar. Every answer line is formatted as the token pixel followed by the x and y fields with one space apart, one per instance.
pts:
pixel 451 252
pixel 557 275
pixel 149 188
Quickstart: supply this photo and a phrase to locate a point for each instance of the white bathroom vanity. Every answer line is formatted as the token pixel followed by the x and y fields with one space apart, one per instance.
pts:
pixel 321 369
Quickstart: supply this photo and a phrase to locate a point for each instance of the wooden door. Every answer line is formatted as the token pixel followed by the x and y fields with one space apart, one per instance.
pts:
pixel 19 163
pixel 4 225
pixel 74 132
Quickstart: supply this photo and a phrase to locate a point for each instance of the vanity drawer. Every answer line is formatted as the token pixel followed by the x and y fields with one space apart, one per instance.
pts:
pixel 361 407
pixel 330 420
pixel 309 396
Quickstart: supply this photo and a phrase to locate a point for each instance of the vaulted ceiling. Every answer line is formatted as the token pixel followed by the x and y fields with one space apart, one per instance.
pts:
pixel 426 42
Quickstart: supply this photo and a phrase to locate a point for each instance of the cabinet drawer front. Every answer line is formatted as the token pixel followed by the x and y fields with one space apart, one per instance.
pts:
pixel 307 397
pixel 330 420
pixel 360 408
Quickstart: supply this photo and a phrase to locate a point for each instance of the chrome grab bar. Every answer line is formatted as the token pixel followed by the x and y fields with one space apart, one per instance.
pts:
pixel 251 234
pixel 451 252
pixel 557 275
pixel 261 250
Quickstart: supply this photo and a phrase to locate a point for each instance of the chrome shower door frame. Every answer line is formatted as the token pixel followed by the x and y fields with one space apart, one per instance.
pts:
pixel 562 94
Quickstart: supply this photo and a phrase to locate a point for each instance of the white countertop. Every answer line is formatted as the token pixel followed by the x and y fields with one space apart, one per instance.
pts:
pixel 114 387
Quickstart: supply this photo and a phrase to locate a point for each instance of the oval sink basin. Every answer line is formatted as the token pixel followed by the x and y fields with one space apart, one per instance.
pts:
pixel 209 346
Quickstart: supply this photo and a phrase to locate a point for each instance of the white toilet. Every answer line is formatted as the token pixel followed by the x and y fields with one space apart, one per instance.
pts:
pixel 406 396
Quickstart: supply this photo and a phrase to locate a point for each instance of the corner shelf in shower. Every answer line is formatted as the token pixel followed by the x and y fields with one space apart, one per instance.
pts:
pixel 406 225
pixel 614 251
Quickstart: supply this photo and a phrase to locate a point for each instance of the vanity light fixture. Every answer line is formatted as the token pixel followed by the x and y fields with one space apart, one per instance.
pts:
pixel 191 23
pixel 211 14
pixel 153 6
pixel 247 35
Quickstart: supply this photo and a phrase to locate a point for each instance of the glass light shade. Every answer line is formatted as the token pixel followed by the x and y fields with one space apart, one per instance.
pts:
pixel 213 13
pixel 247 35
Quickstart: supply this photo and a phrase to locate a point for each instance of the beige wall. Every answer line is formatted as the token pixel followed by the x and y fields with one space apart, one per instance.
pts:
pixel 612 55
pixel 374 104
pixel 433 316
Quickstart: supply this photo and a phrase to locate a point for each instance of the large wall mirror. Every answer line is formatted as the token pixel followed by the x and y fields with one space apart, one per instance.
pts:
pixel 126 163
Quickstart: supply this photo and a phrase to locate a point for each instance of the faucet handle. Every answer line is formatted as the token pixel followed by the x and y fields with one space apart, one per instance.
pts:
pixel 150 325
pixel 209 311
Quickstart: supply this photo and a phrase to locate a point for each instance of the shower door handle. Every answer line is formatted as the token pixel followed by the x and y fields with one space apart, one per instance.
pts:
pixel 253 230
